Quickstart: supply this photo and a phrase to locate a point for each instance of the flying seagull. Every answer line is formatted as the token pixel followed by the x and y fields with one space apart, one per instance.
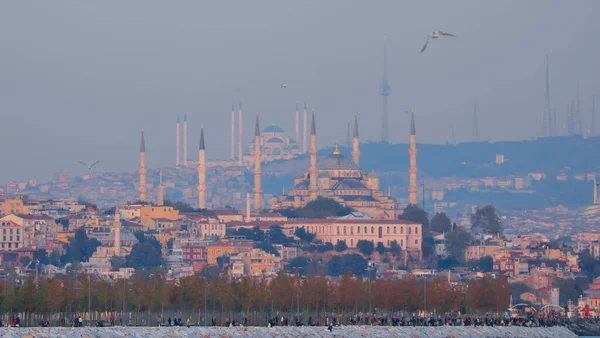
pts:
pixel 89 166
pixel 435 35
pixel 284 86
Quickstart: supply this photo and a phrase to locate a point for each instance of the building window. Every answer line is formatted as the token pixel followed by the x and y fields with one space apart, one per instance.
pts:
pixel 394 230
pixel 365 230
pixel 358 230
pixel 402 230
pixel 338 230
pixel 352 242
pixel 372 229
pixel 351 230
pixel 409 230
pixel 416 241
pixel 401 243
pixel 388 230
pixel 416 230
pixel 344 230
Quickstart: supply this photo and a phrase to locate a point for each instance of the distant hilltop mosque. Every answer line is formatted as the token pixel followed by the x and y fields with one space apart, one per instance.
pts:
pixel 340 178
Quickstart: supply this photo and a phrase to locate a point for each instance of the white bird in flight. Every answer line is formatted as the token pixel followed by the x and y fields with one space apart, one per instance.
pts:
pixel 283 86
pixel 89 166
pixel 435 35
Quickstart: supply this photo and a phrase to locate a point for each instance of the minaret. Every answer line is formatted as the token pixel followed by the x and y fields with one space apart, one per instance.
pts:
pixel 240 154
pixel 232 132
pixel 257 171
pixel 247 207
pixel 304 135
pixel 312 170
pixel 160 200
pixel 185 158
pixel 412 170
pixel 178 136
pixel 202 172
pixel 142 171
pixel 355 151
pixel 297 126
pixel 117 230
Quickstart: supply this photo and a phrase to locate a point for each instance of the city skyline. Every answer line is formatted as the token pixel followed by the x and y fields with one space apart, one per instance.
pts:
pixel 86 94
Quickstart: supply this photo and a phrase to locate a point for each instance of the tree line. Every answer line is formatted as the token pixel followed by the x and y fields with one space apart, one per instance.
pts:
pixel 149 294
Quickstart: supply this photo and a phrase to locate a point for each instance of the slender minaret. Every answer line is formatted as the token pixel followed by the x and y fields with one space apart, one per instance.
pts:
pixel 240 153
pixel 304 132
pixel 257 172
pixel 177 144
pixel 232 132
pixel 202 172
pixel 412 170
pixel 312 170
pixel 355 151
pixel 160 199
pixel 297 126
pixel 142 171
pixel 185 158
pixel 247 207
pixel 117 230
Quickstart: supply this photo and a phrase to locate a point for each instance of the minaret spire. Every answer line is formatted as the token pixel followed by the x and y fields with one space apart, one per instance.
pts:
pixel 202 171
pixel 178 135
pixel 232 132
pixel 160 193
pixel 117 231
pixel 240 147
pixel 185 139
pixel 257 171
pixel 312 170
pixel 355 150
pixel 412 170
pixel 142 171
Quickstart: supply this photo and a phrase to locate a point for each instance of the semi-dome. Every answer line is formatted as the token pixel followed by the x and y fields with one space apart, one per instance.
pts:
pixel 349 184
pixel 336 161
pixel 273 129
pixel 302 185
pixel 275 140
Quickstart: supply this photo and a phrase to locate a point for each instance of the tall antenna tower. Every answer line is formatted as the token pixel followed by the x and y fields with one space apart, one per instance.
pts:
pixel 593 127
pixel 579 121
pixel 384 91
pixel 547 117
pixel 475 124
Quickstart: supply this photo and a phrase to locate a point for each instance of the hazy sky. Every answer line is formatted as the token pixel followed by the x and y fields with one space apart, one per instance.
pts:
pixel 78 78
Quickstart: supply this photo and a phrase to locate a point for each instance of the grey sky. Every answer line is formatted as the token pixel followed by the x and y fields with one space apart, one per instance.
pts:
pixel 78 79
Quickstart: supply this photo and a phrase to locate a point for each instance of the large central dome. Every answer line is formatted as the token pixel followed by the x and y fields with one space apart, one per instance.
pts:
pixel 336 162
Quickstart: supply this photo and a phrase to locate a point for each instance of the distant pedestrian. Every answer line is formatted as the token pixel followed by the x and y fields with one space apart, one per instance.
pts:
pixel 187 322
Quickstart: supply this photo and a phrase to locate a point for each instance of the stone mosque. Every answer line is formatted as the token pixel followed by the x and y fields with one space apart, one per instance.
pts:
pixel 341 179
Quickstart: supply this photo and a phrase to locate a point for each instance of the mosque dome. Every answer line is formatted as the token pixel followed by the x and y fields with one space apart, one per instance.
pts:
pixel 336 162
pixel 349 184
pixel 372 174
pixel 273 129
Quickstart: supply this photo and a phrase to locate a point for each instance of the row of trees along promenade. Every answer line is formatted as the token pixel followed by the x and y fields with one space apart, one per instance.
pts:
pixel 148 296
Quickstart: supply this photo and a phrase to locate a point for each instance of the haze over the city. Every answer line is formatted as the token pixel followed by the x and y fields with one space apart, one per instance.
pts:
pixel 78 79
